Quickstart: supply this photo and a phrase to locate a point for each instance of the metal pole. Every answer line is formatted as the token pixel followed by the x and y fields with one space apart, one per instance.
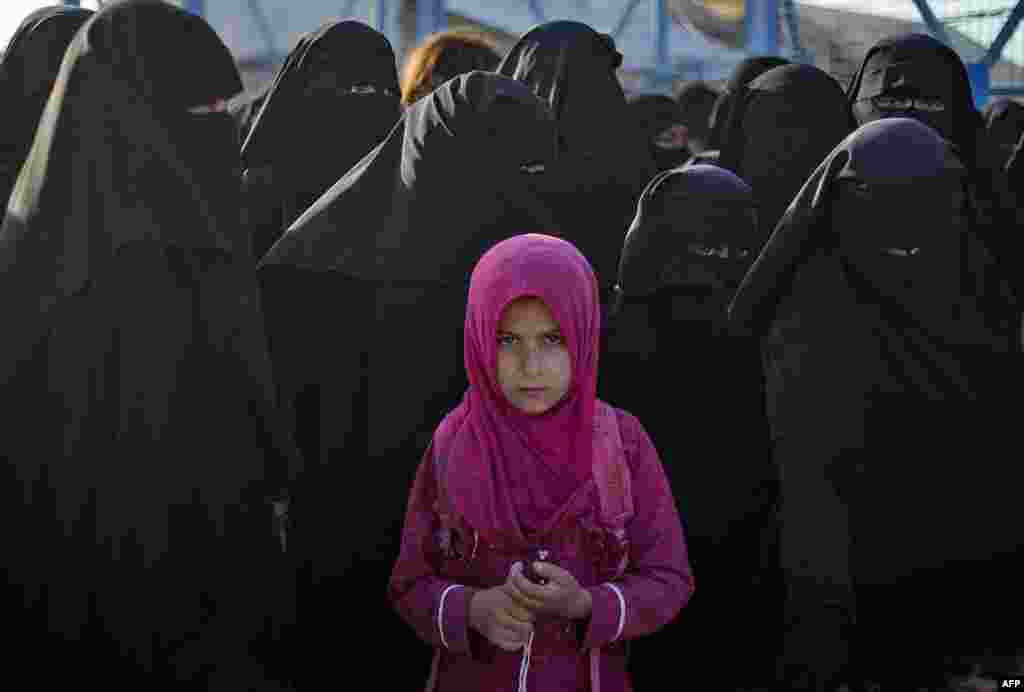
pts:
pixel 73 3
pixel 931 21
pixel 537 11
pixel 995 51
pixel 624 18
pixel 979 74
pixel 762 25
pixel 196 7
pixel 662 27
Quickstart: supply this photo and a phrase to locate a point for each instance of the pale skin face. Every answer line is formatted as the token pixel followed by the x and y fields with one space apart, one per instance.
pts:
pixel 534 366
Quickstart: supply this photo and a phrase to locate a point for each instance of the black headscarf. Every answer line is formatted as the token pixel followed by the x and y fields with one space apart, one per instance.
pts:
pixel 1004 121
pixel 603 164
pixel 689 245
pixel 28 69
pixel 746 72
pixel 917 76
pixel 134 345
pixel 370 225
pixel 655 114
pixel 891 339
pixel 780 127
pixel 335 99
pixel 390 248
pixel 696 103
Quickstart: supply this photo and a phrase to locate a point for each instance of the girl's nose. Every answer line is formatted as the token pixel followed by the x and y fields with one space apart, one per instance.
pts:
pixel 532 362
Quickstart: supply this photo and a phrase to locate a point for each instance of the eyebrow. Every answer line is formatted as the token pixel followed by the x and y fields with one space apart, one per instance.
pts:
pixel 546 332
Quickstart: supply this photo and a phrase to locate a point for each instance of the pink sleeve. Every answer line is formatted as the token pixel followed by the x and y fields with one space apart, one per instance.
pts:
pixel 436 609
pixel 658 580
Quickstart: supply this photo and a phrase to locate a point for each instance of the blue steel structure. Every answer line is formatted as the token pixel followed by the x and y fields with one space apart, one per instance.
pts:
pixel 980 71
pixel 761 29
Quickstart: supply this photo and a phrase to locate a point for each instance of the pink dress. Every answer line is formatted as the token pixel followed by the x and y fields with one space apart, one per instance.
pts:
pixel 437 574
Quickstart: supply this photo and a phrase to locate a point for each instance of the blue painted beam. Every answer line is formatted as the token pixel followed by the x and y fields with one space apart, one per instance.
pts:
pixel 430 18
pixel 661 21
pixel 978 73
pixel 627 12
pixel 263 26
pixel 382 16
pixel 995 51
pixel 196 7
pixel 762 27
pixel 537 11
pixel 935 27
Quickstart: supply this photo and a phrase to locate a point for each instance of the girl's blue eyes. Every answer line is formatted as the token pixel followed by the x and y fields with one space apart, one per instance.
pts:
pixel 550 339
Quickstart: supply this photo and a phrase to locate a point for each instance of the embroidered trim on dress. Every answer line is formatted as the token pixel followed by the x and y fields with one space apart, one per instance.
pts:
pixel 622 610
pixel 440 613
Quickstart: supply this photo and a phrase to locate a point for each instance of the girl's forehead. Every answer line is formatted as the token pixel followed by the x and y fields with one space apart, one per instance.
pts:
pixel 527 309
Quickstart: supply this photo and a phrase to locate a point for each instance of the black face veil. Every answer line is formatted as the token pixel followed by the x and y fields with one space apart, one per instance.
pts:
pixel 883 264
pixel 746 72
pixel 695 228
pixel 780 128
pixel 603 163
pixel 335 99
pixel 916 76
pixel 28 70
pixel 371 223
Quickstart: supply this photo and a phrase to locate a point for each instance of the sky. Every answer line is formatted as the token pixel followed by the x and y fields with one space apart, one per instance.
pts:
pixel 13 11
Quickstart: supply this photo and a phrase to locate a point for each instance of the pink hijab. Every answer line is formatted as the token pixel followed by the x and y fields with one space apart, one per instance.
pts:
pixel 507 473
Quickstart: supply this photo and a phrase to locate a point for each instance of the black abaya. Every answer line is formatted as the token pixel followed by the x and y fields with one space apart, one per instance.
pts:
pixel 147 450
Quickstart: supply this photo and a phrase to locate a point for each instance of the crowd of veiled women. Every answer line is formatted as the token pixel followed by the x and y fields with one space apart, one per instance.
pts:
pixel 221 365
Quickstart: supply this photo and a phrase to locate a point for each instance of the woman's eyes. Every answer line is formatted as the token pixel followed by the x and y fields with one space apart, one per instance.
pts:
pixel 550 339
pixel 901 251
pixel 722 251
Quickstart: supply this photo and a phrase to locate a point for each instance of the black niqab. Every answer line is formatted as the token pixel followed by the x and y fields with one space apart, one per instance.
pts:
pixel 603 164
pixel 781 126
pixel 692 239
pixel 891 337
pixel 134 345
pixel 28 69
pixel 916 76
pixel 655 114
pixel 388 251
pixel 334 100
pixel 744 73
pixel 370 224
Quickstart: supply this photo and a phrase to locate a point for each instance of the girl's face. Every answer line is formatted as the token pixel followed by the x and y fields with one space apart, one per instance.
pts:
pixel 534 366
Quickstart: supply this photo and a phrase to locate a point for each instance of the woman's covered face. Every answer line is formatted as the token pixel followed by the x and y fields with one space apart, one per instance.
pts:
pixel 534 365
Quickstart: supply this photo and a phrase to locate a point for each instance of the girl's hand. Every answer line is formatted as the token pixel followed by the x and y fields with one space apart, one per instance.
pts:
pixel 494 614
pixel 560 597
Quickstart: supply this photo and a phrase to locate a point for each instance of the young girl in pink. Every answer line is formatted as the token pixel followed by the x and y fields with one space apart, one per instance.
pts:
pixel 541 534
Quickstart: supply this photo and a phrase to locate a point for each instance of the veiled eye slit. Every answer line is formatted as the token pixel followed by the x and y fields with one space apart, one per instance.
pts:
pixel 218 106
pixel 901 251
pixel 533 168
pixel 722 251
pixel 363 88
